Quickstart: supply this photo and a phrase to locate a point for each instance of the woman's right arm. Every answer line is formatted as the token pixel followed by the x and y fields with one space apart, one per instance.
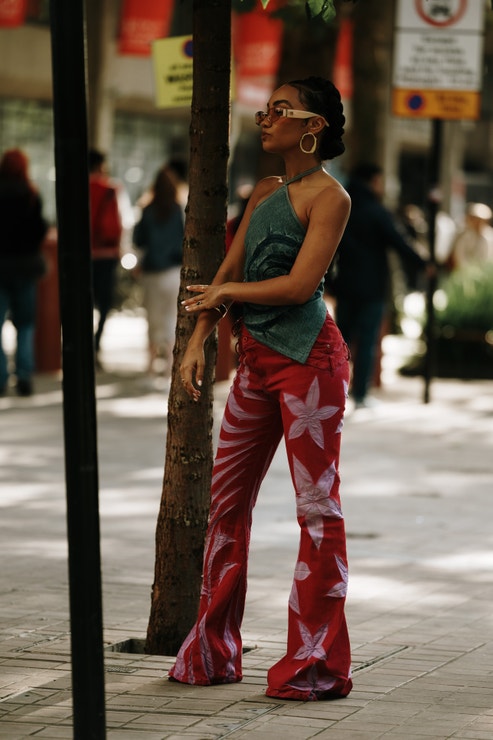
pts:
pixel 193 363
pixel 231 269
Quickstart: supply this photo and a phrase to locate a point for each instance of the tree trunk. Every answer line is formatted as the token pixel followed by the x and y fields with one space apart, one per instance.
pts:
pixel 101 20
pixel 184 507
pixel 373 34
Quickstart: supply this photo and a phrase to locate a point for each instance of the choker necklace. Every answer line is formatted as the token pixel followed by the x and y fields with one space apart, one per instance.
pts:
pixel 303 174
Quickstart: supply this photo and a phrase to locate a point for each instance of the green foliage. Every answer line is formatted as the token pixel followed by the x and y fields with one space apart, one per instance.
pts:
pixel 314 10
pixel 321 10
pixel 463 335
pixel 468 303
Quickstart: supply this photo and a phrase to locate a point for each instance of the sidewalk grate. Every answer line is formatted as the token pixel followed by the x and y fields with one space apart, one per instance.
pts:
pixel 380 658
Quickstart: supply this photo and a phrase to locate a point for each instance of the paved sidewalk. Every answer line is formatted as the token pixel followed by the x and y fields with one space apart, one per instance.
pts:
pixel 417 481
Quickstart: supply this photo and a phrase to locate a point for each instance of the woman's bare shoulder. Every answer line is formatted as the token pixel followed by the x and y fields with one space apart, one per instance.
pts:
pixel 332 190
pixel 264 188
pixel 331 184
pixel 330 200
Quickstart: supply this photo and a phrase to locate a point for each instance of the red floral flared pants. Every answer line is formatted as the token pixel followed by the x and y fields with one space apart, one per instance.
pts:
pixel 272 396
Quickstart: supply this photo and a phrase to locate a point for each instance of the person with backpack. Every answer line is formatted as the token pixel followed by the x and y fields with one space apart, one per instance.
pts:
pixel 106 232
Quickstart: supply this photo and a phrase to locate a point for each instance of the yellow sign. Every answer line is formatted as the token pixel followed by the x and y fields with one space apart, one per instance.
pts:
pixel 447 104
pixel 438 59
pixel 173 71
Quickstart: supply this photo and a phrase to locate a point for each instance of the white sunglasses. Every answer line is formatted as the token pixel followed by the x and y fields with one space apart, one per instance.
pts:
pixel 274 114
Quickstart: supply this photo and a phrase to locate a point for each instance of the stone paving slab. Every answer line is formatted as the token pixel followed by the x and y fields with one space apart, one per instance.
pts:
pixel 417 483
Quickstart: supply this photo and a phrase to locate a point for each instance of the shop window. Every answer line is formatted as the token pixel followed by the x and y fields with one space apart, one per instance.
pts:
pixel 141 144
pixel 28 125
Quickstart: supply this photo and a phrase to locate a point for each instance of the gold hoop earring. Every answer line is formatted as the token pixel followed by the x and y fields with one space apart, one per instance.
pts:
pixel 313 146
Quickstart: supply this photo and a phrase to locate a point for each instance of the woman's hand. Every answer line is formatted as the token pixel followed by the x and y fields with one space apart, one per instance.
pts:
pixel 207 297
pixel 192 369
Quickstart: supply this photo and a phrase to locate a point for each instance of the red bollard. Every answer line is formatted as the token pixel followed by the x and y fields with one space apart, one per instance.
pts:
pixel 47 336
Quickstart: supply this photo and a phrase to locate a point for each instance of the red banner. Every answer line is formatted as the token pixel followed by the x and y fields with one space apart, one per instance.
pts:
pixel 12 13
pixel 343 63
pixel 257 42
pixel 143 21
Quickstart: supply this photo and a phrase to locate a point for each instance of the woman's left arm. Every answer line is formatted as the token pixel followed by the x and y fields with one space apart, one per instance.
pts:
pixel 327 218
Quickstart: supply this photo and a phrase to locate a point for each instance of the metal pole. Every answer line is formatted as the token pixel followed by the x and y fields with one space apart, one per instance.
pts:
pixel 79 404
pixel 434 202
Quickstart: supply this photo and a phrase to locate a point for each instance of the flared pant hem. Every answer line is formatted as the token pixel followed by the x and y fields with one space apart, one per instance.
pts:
pixel 290 694
pixel 218 680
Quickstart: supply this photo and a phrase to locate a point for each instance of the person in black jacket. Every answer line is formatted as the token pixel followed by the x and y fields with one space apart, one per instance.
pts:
pixel 361 280
pixel 23 229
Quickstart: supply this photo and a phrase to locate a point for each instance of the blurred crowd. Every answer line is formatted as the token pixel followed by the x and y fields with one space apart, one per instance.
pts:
pixel 136 252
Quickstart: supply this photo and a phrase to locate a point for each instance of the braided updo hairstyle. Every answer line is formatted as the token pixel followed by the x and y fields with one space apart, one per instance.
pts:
pixel 322 96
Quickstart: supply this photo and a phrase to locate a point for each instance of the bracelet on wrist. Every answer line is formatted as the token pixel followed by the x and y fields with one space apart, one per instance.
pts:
pixel 222 308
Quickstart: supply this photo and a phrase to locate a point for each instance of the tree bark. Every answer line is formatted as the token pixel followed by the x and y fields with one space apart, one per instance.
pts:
pixel 101 20
pixel 184 507
pixel 373 34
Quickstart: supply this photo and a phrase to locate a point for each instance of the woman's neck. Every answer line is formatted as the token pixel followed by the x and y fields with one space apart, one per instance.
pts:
pixel 297 166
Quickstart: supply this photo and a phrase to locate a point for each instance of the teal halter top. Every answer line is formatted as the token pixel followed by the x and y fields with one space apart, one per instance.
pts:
pixel 272 242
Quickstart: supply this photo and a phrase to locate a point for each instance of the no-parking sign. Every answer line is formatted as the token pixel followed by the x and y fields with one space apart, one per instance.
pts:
pixel 438 58
pixel 173 71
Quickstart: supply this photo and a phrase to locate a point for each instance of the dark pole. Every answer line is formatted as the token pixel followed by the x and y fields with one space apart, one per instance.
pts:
pixel 434 202
pixel 79 404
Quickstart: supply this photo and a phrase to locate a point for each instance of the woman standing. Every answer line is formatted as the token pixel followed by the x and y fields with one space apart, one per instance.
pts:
pixel 21 264
pixel 291 381
pixel 159 236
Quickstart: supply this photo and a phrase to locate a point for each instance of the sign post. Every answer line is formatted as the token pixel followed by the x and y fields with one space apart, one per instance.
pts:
pixel 437 75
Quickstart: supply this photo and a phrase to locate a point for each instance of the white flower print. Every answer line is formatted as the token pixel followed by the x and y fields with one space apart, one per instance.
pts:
pixel 312 644
pixel 301 573
pixel 205 649
pixel 294 599
pixel 345 385
pixel 313 501
pixel 309 415
pixel 339 590
pixel 179 670
pixel 230 643
pixel 215 543
pixel 219 507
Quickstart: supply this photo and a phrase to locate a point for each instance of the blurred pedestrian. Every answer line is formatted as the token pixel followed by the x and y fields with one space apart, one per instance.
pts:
pixel 177 170
pixel 361 279
pixel 106 233
pixel 21 264
pixel 243 193
pixel 474 243
pixel 158 236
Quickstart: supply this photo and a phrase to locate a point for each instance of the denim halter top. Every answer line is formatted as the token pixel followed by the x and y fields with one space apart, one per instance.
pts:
pixel 272 242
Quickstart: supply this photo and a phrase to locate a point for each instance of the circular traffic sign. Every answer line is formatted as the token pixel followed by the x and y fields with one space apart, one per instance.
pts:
pixel 415 102
pixel 441 13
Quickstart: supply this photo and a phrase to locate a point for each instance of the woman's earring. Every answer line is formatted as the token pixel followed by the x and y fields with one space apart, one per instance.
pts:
pixel 313 146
